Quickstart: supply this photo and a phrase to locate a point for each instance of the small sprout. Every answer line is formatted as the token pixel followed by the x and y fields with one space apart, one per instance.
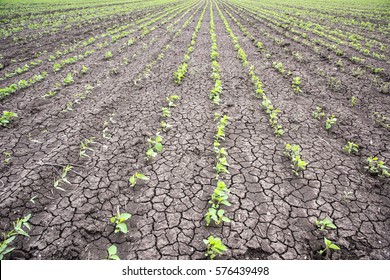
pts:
pixel 68 79
pixel 354 101
pixel 166 113
pixel 62 179
pixel 7 157
pixel 84 69
pixel 155 146
pixel 112 253
pixel 330 121
pixel 171 100
pixel 32 200
pixel 84 147
pixel 133 179
pixel 295 85
pixel 214 247
pixel 325 224
pixel 329 245
pixel 377 167
pixel 11 235
pixel 351 148
pixel 293 152
pixel 50 94
pixel 108 55
pixel 318 113
pixel 165 126
pixel 7 117
pixel 119 221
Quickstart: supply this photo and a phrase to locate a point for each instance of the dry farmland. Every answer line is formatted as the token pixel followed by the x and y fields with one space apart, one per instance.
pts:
pixel 194 129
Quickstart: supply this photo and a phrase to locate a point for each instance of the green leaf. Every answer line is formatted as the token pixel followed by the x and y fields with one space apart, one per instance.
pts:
pixel 334 247
pixel 114 257
pixel 125 216
pixel 112 219
pixel 158 147
pixel 122 227
pixel 142 176
pixel 112 250
pixel 132 181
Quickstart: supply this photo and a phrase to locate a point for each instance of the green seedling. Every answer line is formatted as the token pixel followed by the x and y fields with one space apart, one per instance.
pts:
pixel 57 67
pixel 63 178
pixel 318 113
pixel 220 196
pixel 119 220
pixel 351 148
pixel 112 253
pixel 325 224
pixel 84 69
pixel 216 215
pixel 222 166
pixel 180 72
pixel 165 126
pixel 50 94
pixel 330 121
pixel 329 245
pixel 68 79
pixel 133 179
pixel 7 117
pixel 11 235
pixel 279 66
pixel 377 167
pixel 84 147
pixel 354 101
pixel 293 152
pixel 166 113
pixel 108 55
pixel 214 247
pixel 155 146
pixel 295 85
pixel 7 157
pixel 171 100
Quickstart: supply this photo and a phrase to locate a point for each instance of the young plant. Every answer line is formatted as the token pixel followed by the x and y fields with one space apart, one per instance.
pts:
pixel 171 100
pixel 7 117
pixel 325 224
pixel 351 148
pixel 377 167
pixel 112 253
pixel 220 195
pixel 180 72
pixel 318 113
pixel 62 179
pixel 7 157
pixel 166 113
pixel 354 101
pixel 119 220
pixel 84 69
pixel 329 245
pixel 155 146
pixel 165 126
pixel 133 179
pixel 214 247
pixel 330 121
pixel 84 147
pixel 108 55
pixel 293 152
pixel 68 79
pixel 295 85
pixel 11 235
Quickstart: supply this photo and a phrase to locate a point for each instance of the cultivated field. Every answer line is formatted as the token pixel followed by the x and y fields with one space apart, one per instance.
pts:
pixel 172 129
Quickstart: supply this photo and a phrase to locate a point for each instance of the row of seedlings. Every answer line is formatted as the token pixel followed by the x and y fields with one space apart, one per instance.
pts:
pixel 220 195
pixel 267 105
